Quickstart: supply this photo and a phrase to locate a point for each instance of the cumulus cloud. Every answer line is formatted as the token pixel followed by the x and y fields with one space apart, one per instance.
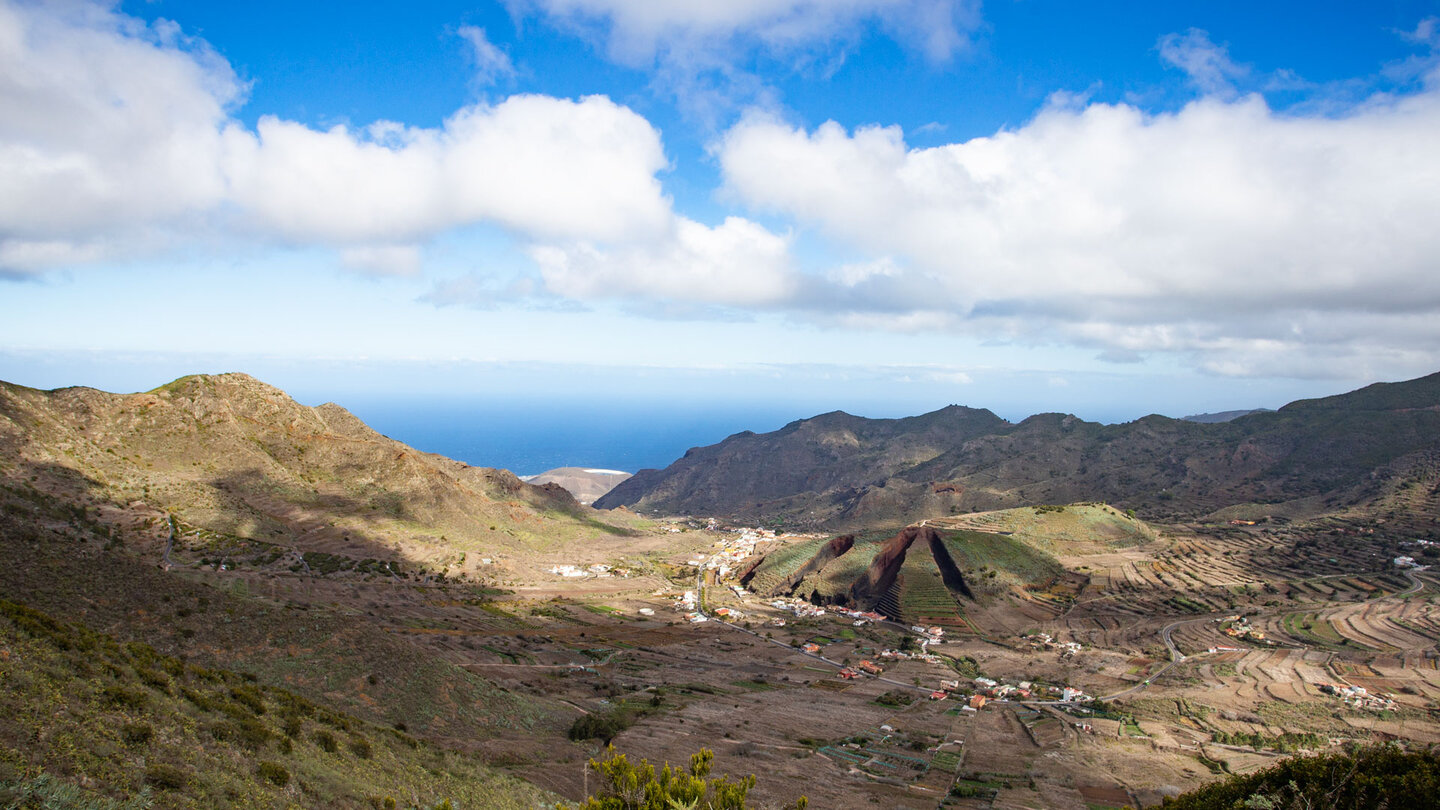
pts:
pixel 701 49
pixel 108 126
pixel 546 167
pixel 1222 229
pixel 118 135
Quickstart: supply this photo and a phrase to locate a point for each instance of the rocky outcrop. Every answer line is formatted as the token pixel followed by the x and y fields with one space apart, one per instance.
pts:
pixel 880 576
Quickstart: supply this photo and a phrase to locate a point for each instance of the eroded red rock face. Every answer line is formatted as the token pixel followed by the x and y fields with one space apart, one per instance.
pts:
pixel 869 589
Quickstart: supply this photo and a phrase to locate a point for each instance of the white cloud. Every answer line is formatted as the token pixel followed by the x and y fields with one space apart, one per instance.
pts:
pixel 491 63
pixel 1212 231
pixel 1427 33
pixel 737 263
pixel 1208 65
pixel 107 125
pixel 545 167
pixel 703 49
pixel 117 137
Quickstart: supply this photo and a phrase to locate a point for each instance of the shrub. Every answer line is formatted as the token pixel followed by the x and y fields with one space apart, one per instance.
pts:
pixel 360 747
pixel 895 697
pixel 274 773
pixel 165 777
pixel 326 741
pixel 600 726
pixel 137 733
pixel 1380 776
pixel 249 733
pixel 154 678
pixel 249 697
pixel 117 695
pixel 621 779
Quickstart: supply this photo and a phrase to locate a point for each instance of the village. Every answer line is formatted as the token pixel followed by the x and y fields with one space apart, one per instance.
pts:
pixel 730 555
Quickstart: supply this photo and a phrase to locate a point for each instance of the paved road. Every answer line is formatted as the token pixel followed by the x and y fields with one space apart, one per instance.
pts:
pixel 1175 655
pixel 1417 585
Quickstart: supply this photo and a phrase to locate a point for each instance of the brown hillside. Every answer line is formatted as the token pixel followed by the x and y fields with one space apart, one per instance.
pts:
pixel 234 456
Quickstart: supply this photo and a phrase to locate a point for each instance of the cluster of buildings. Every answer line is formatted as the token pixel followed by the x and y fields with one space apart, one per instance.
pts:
pixel 599 570
pixel 860 617
pixel 1025 690
pixel 729 554
pixel 688 604
pixel 1406 561
pixel 986 689
pixel 929 635
pixel 1044 641
pixel 799 607
pixel 1239 627
pixel 1358 697
pixel 897 655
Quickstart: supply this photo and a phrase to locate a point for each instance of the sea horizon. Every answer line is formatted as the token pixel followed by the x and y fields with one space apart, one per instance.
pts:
pixel 529 438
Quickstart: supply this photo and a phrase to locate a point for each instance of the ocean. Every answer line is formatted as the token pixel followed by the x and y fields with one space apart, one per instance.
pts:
pixel 531 437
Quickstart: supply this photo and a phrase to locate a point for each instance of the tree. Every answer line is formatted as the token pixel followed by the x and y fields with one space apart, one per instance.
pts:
pixel 625 785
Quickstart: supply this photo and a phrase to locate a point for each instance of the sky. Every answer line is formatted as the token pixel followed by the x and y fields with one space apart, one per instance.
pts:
pixel 778 206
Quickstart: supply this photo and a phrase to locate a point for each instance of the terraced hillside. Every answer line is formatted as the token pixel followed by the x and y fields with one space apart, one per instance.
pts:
pixel 936 574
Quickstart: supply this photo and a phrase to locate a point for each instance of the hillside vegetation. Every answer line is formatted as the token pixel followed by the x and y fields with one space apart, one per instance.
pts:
pixel 1375 777
pixel 236 458
pixel 60 558
pixel 86 720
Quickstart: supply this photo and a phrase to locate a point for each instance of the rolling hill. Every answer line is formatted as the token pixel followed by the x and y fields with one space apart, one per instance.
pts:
pixel 232 456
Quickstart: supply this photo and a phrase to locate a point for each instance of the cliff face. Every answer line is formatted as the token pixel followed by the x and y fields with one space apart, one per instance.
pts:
pixel 880 576
pixel 842 471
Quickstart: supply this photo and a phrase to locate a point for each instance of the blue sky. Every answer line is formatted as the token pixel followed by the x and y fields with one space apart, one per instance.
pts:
pixel 786 206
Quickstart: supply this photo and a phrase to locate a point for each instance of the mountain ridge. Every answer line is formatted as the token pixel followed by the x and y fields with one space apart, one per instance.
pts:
pixel 814 473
